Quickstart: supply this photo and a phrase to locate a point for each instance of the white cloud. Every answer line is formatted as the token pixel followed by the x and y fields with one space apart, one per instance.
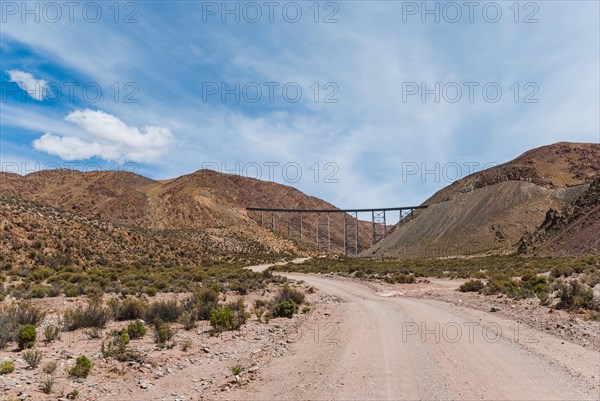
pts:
pixel 26 81
pixel 108 138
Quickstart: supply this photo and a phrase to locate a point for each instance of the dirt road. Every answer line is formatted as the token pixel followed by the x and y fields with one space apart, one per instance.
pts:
pixel 390 347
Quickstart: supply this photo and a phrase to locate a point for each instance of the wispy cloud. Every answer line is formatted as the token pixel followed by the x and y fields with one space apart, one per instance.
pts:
pixel 35 88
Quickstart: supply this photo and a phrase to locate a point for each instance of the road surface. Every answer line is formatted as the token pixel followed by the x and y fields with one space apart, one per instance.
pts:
pixel 394 348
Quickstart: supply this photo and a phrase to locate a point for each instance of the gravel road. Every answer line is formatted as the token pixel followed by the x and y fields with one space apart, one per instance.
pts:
pixel 395 348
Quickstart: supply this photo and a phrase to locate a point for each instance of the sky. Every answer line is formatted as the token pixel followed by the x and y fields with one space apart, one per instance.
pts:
pixel 362 103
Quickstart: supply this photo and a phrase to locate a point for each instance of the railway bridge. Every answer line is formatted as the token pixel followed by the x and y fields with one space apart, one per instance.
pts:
pixel 294 221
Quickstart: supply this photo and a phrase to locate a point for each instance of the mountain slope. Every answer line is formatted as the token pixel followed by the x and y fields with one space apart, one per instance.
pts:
pixel 201 200
pixel 44 236
pixel 490 211
pixel 574 231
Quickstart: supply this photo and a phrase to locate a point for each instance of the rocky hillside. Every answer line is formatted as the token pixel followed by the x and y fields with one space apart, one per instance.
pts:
pixel 38 235
pixel 201 200
pixel 490 211
pixel 572 231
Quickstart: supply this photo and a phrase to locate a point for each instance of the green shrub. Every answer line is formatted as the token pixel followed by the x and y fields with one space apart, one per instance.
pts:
pixel 286 308
pixel 222 318
pixel 33 358
pixel 502 284
pixel 7 367
pixel 574 296
pixel 82 368
pixel 237 369
pixel 136 329
pixel 532 284
pixel 163 333
pixel 26 337
pixel 471 286
pixel 151 291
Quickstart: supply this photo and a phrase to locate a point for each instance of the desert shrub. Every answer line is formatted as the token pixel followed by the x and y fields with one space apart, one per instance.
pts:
pixel 202 301
pixel 9 329
pixel 306 309
pixel 25 312
pixel 49 367
pixel 151 291
pixel 136 329
pixel 32 357
pixel 222 319
pixel 26 337
pixel 186 344
pixel 401 278
pixel 286 293
pixel 51 333
pixel 47 383
pixel 574 295
pixel 237 369
pixel 38 292
pixel 116 347
pixel 163 311
pixel 502 284
pixel 7 367
pixel 163 333
pixel 128 309
pixel 91 315
pixel 93 333
pixel 471 286
pixel 188 319
pixel 82 368
pixel 532 284
pixel 286 308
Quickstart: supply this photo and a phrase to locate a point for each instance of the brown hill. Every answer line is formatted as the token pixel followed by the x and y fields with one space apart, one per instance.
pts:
pixel 572 231
pixel 490 211
pixel 40 235
pixel 201 200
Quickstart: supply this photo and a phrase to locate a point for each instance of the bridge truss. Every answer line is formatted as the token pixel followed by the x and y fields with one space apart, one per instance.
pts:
pixel 295 220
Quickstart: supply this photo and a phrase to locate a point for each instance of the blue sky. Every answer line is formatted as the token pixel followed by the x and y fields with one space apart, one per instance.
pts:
pixel 375 142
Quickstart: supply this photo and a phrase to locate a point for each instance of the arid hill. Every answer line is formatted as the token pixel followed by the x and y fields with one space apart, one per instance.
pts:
pixel 490 211
pixel 43 236
pixel 201 200
pixel 572 231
